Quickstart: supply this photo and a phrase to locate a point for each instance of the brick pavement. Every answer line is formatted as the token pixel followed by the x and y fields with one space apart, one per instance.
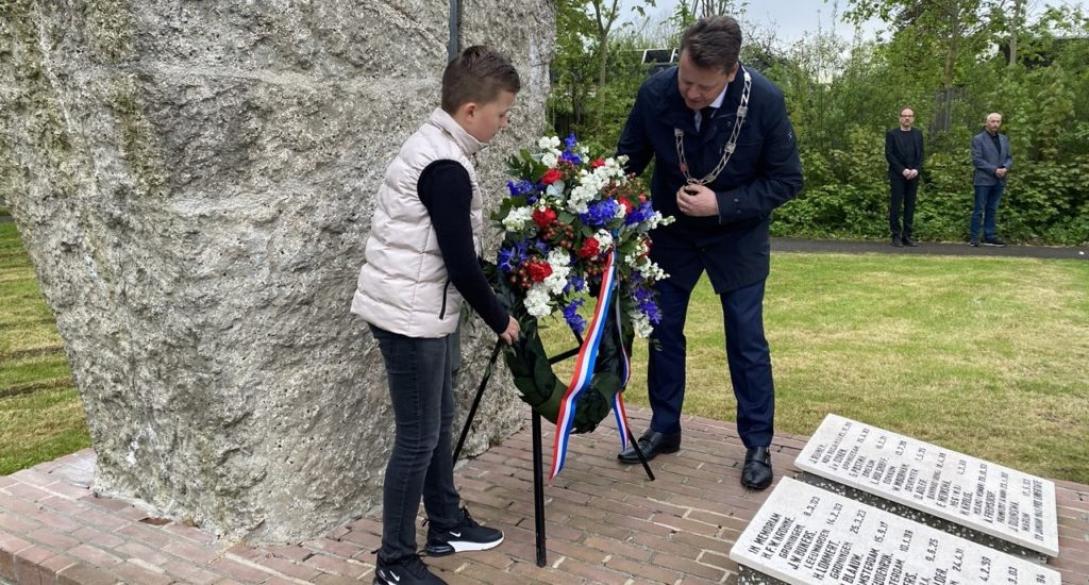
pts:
pixel 606 524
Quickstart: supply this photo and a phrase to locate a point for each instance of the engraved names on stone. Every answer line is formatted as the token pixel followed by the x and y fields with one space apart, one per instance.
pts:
pixel 989 498
pixel 804 535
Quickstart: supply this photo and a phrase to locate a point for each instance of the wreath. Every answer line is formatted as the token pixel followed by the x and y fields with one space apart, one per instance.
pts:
pixel 576 241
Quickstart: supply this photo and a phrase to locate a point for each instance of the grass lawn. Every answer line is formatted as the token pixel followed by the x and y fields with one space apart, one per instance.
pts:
pixel 41 417
pixel 982 355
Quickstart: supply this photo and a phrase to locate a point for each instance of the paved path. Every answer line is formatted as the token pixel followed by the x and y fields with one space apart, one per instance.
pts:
pixel 606 524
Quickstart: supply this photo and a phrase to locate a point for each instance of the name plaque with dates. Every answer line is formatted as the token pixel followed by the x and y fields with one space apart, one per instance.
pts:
pixel 984 497
pixel 804 535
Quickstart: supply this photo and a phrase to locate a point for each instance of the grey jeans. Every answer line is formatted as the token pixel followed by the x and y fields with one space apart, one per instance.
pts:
pixel 420 377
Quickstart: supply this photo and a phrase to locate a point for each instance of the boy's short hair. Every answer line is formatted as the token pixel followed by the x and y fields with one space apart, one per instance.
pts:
pixel 477 75
pixel 713 43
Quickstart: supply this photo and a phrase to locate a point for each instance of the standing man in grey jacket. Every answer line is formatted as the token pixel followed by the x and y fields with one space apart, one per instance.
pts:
pixel 992 161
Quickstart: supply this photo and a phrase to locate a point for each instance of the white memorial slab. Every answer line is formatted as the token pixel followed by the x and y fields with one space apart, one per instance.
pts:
pixel 984 497
pixel 804 535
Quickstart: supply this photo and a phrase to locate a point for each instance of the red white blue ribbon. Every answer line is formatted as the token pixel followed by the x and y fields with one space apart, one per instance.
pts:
pixel 584 366
pixel 619 411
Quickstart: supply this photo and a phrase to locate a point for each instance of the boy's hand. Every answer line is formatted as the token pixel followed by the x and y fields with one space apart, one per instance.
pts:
pixel 512 332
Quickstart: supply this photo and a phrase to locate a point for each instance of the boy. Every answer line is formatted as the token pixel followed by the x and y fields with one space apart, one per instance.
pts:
pixel 426 235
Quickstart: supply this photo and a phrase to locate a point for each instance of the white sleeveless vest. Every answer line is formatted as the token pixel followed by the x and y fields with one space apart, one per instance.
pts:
pixel 403 286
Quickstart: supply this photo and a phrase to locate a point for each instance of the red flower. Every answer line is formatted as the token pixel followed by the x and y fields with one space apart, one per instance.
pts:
pixel 628 206
pixel 597 162
pixel 538 270
pixel 544 217
pixel 591 248
pixel 551 176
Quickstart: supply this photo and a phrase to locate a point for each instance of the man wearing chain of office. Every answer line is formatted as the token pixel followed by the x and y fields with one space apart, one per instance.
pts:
pixel 725 157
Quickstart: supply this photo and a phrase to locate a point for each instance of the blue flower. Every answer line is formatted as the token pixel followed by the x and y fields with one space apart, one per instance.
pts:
pixel 541 246
pixel 571 315
pixel 571 142
pixel 640 214
pixel 644 299
pixel 600 213
pixel 521 187
pixel 571 157
pixel 575 284
pixel 508 260
pixel 651 310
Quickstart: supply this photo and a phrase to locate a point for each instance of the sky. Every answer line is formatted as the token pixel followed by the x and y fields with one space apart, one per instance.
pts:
pixel 791 20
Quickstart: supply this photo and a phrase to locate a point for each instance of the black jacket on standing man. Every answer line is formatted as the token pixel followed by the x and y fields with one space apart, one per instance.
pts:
pixel 904 150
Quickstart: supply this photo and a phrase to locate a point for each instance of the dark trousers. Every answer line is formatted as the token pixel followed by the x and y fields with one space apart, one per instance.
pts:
pixel 985 210
pixel 903 196
pixel 747 353
pixel 421 392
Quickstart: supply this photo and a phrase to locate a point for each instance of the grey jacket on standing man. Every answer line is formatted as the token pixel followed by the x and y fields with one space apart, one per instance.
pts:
pixel 992 161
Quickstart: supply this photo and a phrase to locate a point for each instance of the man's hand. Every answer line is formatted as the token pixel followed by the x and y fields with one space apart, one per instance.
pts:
pixel 510 335
pixel 907 174
pixel 1001 172
pixel 697 201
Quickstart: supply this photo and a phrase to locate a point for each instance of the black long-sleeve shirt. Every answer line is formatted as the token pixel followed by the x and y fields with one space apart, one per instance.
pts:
pixel 446 191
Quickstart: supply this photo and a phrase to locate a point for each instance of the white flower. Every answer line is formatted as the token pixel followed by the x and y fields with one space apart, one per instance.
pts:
pixel 621 211
pixel 604 240
pixel 517 218
pixel 545 143
pixel 538 301
pixel 641 323
pixel 651 271
pixel 555 189
pixel 549 159
pixel 559 257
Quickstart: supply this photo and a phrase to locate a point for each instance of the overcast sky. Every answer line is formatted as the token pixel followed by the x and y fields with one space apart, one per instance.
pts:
pixel 791 20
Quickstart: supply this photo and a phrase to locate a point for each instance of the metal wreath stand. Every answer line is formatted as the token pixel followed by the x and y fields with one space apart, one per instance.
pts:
pixel 538 457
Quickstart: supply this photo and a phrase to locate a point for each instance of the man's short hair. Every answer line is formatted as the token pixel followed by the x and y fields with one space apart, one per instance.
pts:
pixel 907 108
pixel 713 42
pixel 477 75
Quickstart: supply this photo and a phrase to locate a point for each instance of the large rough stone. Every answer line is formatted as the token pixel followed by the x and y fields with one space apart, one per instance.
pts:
pixel 193 181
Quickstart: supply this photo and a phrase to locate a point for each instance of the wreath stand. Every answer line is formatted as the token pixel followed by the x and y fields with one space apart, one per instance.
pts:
pixel 538 458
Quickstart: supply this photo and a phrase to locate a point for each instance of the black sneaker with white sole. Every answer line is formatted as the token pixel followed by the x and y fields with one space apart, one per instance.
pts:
pixel 406 571
pixel 468 535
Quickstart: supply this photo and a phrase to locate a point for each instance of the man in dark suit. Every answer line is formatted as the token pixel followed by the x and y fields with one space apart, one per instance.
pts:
pixel 992 161
pixel 904 151
pixel 725 157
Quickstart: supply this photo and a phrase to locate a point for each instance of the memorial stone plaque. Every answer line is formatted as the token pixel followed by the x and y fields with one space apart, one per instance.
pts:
pixel 978 500
pixel 804 535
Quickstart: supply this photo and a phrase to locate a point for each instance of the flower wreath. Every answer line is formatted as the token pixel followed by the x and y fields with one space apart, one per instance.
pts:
pixel 576 230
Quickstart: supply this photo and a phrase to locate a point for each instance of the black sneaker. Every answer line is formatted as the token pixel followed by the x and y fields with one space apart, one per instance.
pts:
pixel 407 571
pixel 467 535
pixel 974 243
pixel 994 243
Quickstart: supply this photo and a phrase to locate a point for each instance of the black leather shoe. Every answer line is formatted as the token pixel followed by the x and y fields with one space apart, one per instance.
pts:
pixel 756 475
pixel 652 443
pixel 910 243
pixel 897 242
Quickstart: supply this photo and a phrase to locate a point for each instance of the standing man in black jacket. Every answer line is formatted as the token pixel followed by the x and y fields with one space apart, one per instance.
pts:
pixel 725 157
pixel 904 151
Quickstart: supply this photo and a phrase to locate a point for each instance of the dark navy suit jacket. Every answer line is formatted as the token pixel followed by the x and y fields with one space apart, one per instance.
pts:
pixel 764 173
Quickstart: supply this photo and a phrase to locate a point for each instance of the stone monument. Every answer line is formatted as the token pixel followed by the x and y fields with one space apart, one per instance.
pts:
pixel 193 183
